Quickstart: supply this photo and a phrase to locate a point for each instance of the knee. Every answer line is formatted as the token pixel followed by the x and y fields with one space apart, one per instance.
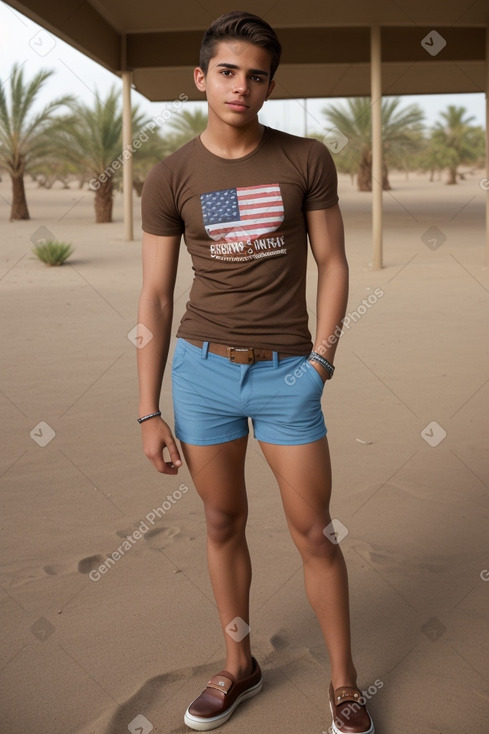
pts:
pixel 222 527
pixel 313 542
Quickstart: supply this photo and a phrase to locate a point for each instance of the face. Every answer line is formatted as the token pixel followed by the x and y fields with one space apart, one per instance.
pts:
pixel 237 82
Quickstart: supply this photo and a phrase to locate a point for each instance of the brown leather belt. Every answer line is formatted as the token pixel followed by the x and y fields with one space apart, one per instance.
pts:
pixel 241 355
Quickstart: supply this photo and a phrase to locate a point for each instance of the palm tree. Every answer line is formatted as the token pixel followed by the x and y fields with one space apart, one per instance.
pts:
pixel 183 127
pixel 51 169
pixel 430 157
pixel 400 132
pixel 25 138
pixel 456 140
pixel 92 140
pixel 149 154
pixel 180 129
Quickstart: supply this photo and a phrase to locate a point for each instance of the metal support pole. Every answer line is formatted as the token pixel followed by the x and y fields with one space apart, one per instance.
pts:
pixel 487 146
pixel 376 98
pixel 126 146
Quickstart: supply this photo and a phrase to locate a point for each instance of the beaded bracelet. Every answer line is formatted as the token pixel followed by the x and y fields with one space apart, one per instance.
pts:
pixel 150 415
pixel 315 357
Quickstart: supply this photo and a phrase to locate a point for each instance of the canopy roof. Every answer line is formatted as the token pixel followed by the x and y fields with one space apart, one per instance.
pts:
pixel 326 44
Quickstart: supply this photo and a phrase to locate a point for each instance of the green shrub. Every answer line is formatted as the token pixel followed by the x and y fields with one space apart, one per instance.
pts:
pixel 53 252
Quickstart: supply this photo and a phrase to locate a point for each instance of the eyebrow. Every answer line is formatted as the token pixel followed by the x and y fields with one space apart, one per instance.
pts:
pixel 251 71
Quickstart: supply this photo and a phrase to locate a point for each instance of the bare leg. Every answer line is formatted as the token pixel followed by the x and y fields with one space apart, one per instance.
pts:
pixel 304 477
pixel 218 474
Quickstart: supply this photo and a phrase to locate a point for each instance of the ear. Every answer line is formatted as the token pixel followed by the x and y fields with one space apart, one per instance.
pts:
pixel 199 79
pixel 270 89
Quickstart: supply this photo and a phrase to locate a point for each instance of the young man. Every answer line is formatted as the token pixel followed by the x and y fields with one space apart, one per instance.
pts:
pixel 245 198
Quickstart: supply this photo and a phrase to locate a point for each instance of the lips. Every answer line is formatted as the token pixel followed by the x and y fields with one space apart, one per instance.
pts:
pixel 238 106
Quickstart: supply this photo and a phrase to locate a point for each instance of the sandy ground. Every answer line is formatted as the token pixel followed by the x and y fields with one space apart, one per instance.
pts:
pixel 407 417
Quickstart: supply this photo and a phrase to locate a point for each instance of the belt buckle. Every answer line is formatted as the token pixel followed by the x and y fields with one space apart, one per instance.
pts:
pixel 232 358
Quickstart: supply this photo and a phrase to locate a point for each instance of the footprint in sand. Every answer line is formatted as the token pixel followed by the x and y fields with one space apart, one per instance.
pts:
pixel 162 534
pixel 127 531
pixel 279 648
pixel 279 640
pixel 89 563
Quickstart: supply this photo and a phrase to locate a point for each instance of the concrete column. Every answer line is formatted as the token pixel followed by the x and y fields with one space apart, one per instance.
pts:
pixel 376 97
pixel 126 143
pixel 487 146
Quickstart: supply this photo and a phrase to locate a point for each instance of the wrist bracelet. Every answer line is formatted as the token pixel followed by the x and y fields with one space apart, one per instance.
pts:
pixel 150 415
pixel 315 357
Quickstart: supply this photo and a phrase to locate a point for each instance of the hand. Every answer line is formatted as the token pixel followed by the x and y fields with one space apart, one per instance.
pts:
pixel 323 374
pixel 157 436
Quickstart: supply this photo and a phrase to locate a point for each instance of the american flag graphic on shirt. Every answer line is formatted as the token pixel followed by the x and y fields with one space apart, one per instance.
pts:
pixel 242 213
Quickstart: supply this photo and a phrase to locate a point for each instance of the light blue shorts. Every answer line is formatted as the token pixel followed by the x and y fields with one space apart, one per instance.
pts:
pixel 213 398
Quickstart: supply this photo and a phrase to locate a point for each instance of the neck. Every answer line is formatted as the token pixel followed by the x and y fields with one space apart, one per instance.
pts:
pixel 227 141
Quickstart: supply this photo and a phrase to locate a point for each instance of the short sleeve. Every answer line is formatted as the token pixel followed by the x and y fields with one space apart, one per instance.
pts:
pixel 158 209
pixel 322 179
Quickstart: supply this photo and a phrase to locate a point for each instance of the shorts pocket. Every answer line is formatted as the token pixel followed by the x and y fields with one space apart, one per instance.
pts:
pixel 313 374
pixel 178 356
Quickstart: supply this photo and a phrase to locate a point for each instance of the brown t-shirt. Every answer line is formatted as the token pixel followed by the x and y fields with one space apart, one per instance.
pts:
pixel 243 220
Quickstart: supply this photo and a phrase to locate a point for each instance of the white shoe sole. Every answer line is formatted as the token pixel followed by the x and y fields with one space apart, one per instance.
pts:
pixel 337 731
pixel 198 723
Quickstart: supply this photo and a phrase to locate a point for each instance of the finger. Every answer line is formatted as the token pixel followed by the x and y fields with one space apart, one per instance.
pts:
pixel 175 459
pixel 170 468
pixel 167 466
pixel 164 467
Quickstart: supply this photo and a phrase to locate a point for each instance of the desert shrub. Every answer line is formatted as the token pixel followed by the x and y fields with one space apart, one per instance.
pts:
pixel 53 252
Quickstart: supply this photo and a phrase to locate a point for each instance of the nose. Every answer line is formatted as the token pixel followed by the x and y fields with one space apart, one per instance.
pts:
pixel 241 85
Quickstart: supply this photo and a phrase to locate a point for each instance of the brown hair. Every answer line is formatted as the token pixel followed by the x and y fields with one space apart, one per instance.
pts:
pixel 241 26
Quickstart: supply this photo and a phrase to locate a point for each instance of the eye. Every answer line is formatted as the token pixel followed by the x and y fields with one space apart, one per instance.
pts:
pixel 257 78
pixel 226 72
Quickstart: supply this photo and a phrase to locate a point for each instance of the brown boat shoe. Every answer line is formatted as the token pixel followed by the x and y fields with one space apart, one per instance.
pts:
pixel 217 703
pixel 349 712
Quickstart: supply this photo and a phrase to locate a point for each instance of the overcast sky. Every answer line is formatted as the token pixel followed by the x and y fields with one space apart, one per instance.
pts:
pixel 23 41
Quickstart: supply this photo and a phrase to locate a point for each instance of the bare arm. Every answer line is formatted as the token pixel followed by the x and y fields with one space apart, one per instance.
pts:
pixel 155 312
pixel 326 236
